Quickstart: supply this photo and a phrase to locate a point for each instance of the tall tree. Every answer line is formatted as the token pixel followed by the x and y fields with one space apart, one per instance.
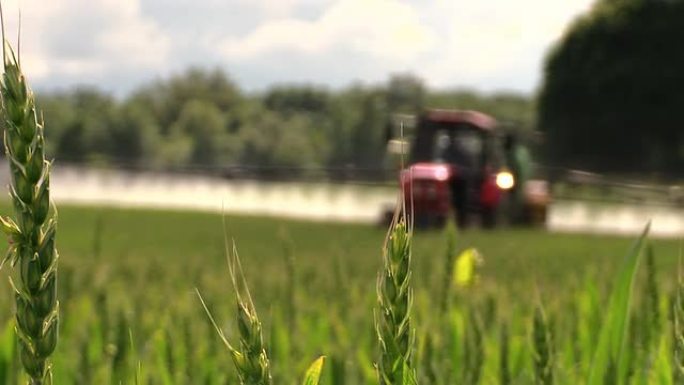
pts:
pixel 205 125
pixel 293 99
pixel 134 136
pixel 612 93
pixel 166 99
pixel 84 136
pixel 405 93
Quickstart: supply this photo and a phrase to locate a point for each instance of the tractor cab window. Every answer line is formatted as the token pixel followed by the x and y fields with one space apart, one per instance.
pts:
pixel 469 142
pixel 462 147
pixel 441 146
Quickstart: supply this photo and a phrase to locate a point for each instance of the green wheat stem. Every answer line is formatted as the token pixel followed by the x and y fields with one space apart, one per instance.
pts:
pixel 449 258
pixel 542 348
pixel 504 352
pixel 291 276
pixel 653 295
pixel 678 335
pixel 474 350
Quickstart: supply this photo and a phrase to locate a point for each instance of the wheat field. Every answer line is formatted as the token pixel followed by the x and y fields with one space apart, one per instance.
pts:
pixel 129 310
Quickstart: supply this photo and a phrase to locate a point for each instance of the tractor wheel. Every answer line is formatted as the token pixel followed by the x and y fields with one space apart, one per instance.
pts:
pixel 440 222
pixel 489 217
pixel 535 214
pixel 461 218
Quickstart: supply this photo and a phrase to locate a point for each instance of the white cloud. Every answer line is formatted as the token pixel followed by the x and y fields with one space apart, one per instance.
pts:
pixel 386 28
pixel 84 37
pixel 445 41
pixel 279 8
pixel 492 38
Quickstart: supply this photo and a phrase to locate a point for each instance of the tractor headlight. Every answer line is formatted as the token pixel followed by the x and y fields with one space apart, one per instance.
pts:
pixel 505 180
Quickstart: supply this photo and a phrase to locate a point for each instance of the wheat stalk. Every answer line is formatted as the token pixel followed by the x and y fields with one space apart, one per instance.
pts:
pixel 474 350
pixel 32 230
pixel 678 335
pixel 652 327
pixel 449 260
pixel 504 353
pixel 542 349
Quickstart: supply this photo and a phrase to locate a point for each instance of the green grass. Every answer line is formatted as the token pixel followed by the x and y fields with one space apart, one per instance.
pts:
pixel 180 240
pixel 189 247
pixel 139 274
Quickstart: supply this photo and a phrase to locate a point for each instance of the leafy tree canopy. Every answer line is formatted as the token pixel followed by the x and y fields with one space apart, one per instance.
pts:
pixel 612 93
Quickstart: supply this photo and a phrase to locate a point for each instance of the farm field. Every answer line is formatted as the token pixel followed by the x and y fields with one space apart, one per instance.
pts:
pixel 127 282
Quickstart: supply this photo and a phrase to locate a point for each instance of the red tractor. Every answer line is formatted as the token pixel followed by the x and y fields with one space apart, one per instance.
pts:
pixel 456 167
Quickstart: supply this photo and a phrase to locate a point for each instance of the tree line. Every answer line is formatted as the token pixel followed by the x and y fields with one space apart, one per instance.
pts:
pixel 201 119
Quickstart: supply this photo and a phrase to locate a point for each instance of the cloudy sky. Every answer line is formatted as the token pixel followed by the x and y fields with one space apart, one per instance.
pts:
pixel 119 44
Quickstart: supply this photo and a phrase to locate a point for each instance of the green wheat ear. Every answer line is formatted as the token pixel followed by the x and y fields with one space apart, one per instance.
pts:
pixel 32 230
pixel 395 297
pixel 249 357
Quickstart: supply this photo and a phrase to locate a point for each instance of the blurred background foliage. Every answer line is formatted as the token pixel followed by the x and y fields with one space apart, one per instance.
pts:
pixel 611 98
pixel 200 118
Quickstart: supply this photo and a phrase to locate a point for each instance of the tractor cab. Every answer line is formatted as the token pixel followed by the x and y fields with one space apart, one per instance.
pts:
pixel 453 168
